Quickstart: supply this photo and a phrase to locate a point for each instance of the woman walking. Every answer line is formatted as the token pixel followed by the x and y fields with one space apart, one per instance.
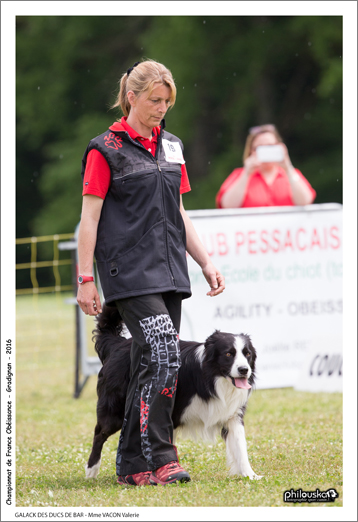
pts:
pixel 134 223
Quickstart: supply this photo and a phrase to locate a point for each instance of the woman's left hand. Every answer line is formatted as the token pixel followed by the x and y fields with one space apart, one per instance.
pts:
pixel 301 193
pixel 286 162
pixel 215 279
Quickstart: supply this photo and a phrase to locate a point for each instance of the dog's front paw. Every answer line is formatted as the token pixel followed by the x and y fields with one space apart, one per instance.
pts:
pixel 255 477
pixel 92 472
pixel 249 473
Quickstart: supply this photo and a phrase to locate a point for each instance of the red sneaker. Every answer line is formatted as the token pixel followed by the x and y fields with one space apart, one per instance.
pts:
pixel 168 474
pixel 138 479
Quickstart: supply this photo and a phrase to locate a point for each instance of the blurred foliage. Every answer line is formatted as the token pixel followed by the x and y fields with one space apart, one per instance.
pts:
pixel 231 73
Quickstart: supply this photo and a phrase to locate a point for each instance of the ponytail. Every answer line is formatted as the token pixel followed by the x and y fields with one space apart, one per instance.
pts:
pixel 142 78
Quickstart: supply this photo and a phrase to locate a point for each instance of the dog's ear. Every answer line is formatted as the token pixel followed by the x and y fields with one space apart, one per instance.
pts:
pixel 213 338
pixel 252 357
pixel 247 340
pixel 210 345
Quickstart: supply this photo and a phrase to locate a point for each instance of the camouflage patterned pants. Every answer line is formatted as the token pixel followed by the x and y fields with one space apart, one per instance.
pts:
pixel 146 437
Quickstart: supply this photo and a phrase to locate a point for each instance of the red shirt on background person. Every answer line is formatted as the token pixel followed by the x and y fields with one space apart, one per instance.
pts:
pixel 264 184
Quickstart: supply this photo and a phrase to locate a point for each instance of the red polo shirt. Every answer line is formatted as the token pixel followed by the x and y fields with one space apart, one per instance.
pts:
pixel 261 194
pixel 98 175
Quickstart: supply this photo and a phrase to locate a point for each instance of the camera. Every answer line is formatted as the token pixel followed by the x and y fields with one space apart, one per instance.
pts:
pixel 269 153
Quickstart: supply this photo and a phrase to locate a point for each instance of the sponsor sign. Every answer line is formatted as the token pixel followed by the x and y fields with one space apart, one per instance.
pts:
pixel 322 371
pixel 283 271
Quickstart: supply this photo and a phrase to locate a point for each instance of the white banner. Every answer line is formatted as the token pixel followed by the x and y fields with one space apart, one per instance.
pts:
pixel 283 270
pixel 322 370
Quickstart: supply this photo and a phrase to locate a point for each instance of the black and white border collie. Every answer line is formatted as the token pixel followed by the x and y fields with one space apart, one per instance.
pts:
pixel 214 383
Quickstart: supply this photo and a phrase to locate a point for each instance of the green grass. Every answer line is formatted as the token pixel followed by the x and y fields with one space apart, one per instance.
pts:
pixel 294 438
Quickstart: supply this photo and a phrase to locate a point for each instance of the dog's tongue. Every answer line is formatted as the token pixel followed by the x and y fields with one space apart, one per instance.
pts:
pixel 242 383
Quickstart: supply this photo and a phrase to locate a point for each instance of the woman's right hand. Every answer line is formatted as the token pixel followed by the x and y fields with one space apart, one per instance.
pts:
pixel 88 299
pixel 251 164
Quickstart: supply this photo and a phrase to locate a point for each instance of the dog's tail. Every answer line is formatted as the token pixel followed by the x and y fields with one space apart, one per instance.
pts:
pixel 108 329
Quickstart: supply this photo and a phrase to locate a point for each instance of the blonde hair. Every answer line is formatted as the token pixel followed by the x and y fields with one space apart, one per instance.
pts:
pixel 255 131
pixel 142 78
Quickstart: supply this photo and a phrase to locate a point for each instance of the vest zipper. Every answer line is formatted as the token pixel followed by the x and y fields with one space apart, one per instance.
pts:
pixel 161 180
pixel 165 219
pixel 162 184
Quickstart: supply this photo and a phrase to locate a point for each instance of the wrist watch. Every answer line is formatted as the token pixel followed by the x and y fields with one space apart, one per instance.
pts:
pixel 84 279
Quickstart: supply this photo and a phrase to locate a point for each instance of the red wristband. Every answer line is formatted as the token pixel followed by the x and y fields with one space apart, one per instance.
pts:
pixel 84 279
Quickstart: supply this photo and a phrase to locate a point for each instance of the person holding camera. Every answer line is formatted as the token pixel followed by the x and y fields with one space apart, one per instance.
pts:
pixel 267 177
pixel 133 221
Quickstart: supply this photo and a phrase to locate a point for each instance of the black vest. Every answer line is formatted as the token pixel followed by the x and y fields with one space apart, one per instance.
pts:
pixel 141 241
